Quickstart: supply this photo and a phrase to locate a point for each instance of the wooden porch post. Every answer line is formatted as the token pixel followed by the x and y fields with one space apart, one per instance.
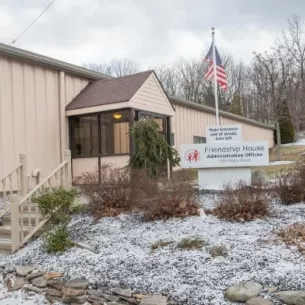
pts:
pixel 15 230
pixel 23 175
pixel 68 171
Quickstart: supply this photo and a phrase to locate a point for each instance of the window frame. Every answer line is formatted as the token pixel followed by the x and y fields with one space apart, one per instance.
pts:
pixel 130 120
pixel 201 138
pixel 166 123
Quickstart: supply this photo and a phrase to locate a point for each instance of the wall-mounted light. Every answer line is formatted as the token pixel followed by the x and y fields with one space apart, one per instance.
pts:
pixel 117 115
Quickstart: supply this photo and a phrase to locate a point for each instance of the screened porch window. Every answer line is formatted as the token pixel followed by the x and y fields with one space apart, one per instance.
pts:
pixel 85 130
pixel 105 134
pixel 115 139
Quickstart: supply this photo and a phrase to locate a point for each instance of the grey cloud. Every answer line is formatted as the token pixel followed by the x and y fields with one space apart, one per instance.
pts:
pixel 143 30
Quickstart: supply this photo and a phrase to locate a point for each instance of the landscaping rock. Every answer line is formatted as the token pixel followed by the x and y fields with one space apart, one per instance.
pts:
pixel 123 292
pixel 258 177
pixel 258 301
pixel 25 270
pixel 57 284
pixel 53 299
pixel 137 296
pixel 94 293
pixel 291 297
pixel 53 275
pixel 95 299
pixel 77 284
pixel 130 300
pixel 70 292
pixel 154 300
pixel 34 275
pixel 18 284
pixel 39 282
pixel 34 289
pixel 111 298
pixel 76 300
pixel 54 292
pixel 243 292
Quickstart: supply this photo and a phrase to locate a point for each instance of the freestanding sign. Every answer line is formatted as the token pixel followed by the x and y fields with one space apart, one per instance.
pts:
pixel 242 154
pixel 229 133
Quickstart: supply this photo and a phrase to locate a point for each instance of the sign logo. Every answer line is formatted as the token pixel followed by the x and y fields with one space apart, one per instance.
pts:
pixel 192 156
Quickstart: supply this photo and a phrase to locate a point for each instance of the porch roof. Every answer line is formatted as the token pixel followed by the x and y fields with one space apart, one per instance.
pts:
pixel 104 92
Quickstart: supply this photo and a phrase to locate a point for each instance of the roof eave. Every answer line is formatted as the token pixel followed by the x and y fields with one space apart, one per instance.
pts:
pixel 50 62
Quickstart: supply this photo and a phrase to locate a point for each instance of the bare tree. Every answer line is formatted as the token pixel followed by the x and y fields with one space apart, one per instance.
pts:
pixel 116 68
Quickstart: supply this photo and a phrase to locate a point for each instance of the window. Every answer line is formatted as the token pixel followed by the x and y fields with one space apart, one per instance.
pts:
pixel 199 140
pixel 115 133
pixel 161 121
pixel 85 136
pixel 172 139
pixel 104 134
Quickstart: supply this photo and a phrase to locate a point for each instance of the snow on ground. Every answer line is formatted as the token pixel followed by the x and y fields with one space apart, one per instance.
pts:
pixel 281 162
pixel 299 142
pixel 3 203
pixel 20 297
pixel 189 277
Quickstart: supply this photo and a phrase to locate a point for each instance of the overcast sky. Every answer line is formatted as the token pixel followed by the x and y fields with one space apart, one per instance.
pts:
pixel 151 32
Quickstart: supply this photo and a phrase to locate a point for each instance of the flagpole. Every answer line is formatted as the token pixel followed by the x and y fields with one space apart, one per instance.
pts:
pixel 215 77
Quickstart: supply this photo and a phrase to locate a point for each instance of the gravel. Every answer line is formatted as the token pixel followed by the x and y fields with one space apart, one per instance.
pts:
pixel 125 258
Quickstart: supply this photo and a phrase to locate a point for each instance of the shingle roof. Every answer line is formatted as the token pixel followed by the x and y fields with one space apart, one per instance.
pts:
pixel 110 91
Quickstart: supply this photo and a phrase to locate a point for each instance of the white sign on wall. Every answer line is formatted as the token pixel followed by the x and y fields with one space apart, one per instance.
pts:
pixel 229 133
pixel 215 155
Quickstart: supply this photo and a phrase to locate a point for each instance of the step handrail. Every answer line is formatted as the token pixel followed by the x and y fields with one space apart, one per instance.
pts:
pixel 62 177
pixel 17 180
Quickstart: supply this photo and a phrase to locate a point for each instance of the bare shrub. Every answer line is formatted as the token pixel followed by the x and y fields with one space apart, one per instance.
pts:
pixel 220 250
pixel 160 244
pixel 120 190
pixel 163 199
pixel 191 243
pixel 241 203
pixel 290 188
pixel 109 193
pixel 293 235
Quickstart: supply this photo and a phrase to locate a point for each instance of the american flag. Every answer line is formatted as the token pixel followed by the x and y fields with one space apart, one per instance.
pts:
pixel 221 76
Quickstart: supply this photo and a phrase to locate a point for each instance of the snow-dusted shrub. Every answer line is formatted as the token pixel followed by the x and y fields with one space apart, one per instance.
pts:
pixel 160 244
pixel 241 203
pixel 220 250
pixel 57 240
pixel 191 243
pixel 56 204
pixel 163 199
pixel 293 235
pixel 109 193
pixel 290 189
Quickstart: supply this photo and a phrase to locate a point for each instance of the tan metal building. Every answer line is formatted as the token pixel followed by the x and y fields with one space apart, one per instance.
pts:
pixel 47 106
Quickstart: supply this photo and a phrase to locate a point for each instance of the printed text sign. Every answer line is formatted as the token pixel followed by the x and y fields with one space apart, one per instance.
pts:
pixel 224 155
pixel 229 133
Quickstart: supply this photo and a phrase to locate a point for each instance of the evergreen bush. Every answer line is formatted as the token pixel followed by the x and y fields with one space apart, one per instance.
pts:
pixel 151 149
pixel 56 204
pixel 286 126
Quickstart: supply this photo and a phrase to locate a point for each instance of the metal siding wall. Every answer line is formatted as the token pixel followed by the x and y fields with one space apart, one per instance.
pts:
pixel 190 122
pixel 29 114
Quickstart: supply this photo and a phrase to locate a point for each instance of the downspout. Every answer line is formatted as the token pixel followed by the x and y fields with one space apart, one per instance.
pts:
pixel 62 114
